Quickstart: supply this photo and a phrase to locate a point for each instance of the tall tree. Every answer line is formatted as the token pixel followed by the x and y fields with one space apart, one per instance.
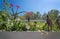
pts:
pixel 44 16
pixel 37 15
pixel 53 14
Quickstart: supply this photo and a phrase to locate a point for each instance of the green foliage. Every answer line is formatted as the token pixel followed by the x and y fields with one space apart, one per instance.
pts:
pixel 8 23
pixel 53 14
pixel 44 16
pixel 33 16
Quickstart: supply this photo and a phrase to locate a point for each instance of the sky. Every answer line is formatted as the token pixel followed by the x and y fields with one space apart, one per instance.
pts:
pixel 35 5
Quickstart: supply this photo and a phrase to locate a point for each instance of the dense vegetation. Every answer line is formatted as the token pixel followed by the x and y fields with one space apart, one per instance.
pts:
pixel 12 21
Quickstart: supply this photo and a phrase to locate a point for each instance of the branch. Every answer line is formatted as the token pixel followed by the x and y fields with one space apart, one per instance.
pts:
pixel 20 12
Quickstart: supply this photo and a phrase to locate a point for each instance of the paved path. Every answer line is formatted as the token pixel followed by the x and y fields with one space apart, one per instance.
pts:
pixel 29 35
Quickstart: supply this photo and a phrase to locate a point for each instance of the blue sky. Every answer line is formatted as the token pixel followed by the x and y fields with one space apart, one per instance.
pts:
pixel 36 5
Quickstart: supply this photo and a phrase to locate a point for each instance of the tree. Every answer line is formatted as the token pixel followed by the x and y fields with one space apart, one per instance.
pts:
pixel 44 16
pixel 33 16
pixel 53 14
pixel 48 22
pixel 57 22
pixel 37 16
